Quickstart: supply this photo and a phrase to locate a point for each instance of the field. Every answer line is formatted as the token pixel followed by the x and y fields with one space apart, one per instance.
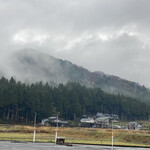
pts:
pixel 76 135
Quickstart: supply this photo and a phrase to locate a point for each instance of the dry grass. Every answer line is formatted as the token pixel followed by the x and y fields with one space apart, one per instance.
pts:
pixel 76 135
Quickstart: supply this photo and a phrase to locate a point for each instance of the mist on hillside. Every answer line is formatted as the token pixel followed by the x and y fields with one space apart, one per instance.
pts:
pixel 30 66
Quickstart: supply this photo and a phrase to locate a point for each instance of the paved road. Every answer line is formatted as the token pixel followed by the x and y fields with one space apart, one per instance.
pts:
pixel 48 146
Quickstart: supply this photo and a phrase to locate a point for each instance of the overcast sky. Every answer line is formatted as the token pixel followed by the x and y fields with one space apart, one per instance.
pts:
pixel 112 36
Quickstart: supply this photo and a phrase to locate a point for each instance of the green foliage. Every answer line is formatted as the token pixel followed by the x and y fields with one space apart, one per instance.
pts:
pixel 19 102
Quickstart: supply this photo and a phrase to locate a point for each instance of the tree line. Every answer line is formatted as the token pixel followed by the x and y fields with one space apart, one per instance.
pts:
pixel 19 102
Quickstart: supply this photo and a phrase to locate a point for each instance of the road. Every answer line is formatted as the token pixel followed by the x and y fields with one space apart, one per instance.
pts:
pixel 50 146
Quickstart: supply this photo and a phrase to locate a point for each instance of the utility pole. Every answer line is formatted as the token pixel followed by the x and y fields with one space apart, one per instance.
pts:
pixel 149 122
pixel 56 130
pixel 112 136
pixel 121 121
pixel 34 128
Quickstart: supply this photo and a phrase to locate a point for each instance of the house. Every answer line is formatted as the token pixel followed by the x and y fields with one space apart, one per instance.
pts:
pixel 99 115
pixel 107 115
pixel 134 126
pixel 117 127
pixel 52 118
pixel 87 122
pixel 45 122
pixel 115 117
pixel 112 116
pixel 102 122
pixel 64 123
pixel 53 121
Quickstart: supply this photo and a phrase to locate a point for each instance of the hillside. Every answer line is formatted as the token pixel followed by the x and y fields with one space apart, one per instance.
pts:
pixel 31 66
pixel 19 102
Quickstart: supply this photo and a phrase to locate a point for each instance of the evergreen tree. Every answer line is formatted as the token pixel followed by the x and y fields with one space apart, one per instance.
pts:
pixel 19 102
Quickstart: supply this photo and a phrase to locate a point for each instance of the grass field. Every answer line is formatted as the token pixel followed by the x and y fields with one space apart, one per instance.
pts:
pixel 76 135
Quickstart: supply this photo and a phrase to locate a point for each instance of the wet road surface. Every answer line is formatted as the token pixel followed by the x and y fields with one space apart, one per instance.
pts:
pixel 51 146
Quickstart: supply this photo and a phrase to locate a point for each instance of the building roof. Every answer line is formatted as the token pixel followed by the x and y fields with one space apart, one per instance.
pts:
pixel 87 120
pixel 64 122
pixel 52 118
pixel 100 114
pixel 101 119
pixel 107 115
pixel 114 115
pixel 133 123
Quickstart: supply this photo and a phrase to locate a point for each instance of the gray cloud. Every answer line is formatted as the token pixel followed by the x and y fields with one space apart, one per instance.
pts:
pixel 106 35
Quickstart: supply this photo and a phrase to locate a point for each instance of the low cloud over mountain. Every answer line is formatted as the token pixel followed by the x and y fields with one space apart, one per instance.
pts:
pixel 30 66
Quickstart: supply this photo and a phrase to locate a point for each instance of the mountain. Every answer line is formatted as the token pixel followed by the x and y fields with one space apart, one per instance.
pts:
pixel 29 65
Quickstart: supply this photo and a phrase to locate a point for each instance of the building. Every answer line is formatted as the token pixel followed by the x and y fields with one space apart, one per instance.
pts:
pixel 115 117
pixel 53 121
pixel 87 122
pixel 99 115
pixel 102 122
pixel 134 126
pixel 45 122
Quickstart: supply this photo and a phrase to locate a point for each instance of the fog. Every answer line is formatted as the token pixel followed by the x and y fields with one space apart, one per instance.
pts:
pixel 100 35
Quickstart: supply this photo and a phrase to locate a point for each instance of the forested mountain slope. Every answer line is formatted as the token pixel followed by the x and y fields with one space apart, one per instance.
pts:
pixel 19 102
pixel 31 66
